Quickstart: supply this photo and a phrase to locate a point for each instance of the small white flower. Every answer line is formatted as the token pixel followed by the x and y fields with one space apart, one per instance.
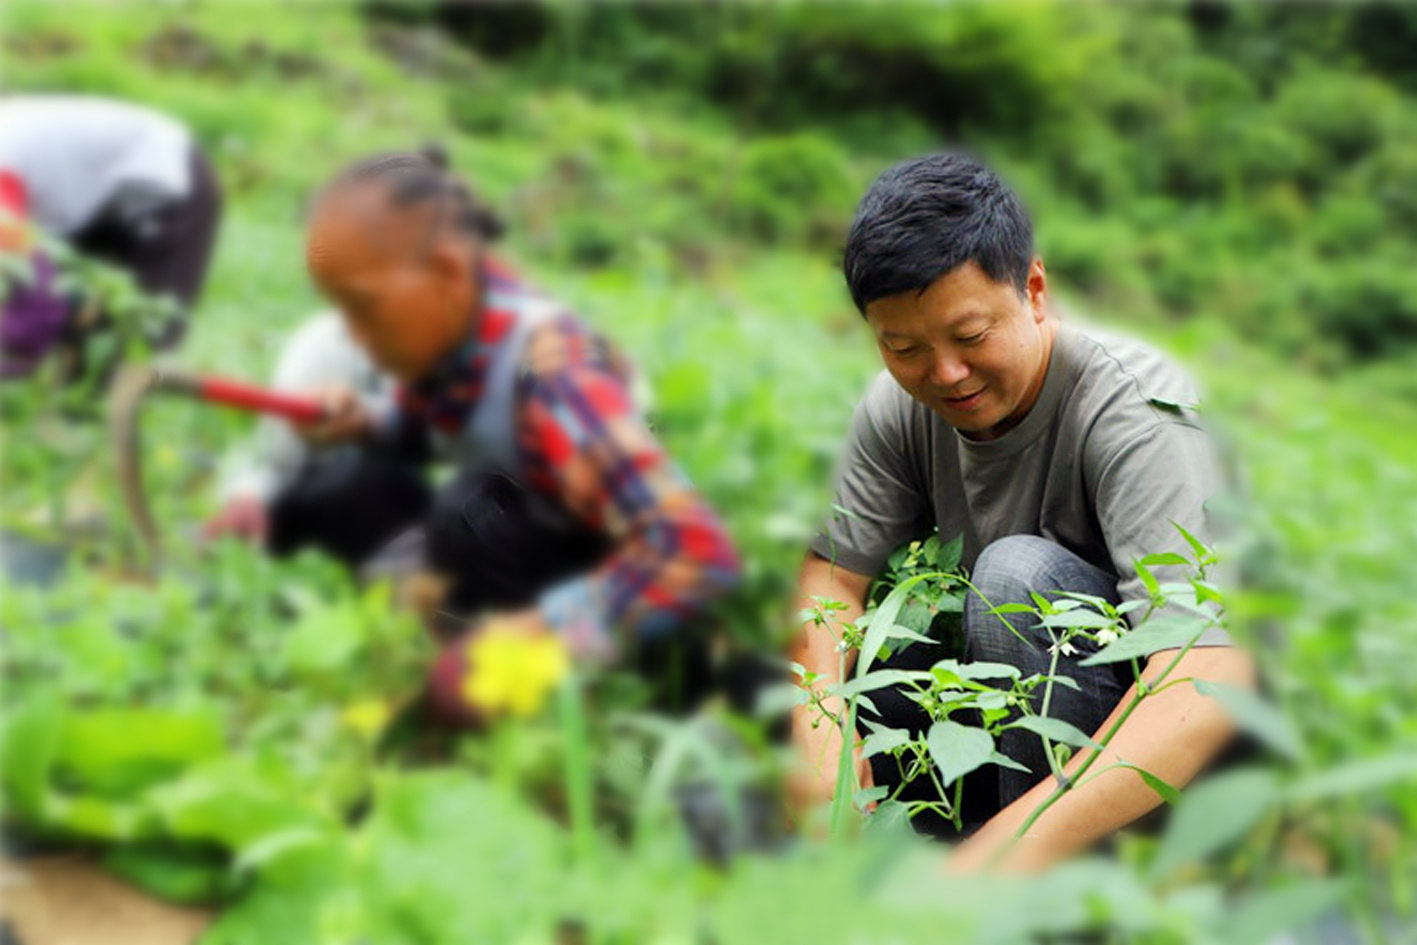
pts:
pixel 1106 636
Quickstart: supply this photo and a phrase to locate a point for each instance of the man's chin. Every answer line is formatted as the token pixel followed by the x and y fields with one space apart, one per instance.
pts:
pixel 972 425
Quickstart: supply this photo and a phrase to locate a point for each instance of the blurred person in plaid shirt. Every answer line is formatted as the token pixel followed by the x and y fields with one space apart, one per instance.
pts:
pixel 564 515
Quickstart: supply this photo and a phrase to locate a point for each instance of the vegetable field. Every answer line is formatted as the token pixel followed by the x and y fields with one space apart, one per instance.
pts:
pixel 235 731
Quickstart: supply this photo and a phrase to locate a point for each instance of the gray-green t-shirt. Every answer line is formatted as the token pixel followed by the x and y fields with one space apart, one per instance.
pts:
pixel 1107 458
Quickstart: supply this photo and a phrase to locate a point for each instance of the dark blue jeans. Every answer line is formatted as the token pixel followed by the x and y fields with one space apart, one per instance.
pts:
pixel 1009 571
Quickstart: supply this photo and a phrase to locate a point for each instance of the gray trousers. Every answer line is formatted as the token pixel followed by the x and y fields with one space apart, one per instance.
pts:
pixel 1009 571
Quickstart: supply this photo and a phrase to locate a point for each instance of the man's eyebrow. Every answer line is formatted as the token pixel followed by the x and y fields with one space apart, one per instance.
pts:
pixel 976 319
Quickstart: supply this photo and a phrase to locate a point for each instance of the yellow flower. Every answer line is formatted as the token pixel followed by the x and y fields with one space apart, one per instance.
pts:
pixel 367 717
pixel 510 671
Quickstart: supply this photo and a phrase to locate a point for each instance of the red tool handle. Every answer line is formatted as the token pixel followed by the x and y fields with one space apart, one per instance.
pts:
pixel 248 397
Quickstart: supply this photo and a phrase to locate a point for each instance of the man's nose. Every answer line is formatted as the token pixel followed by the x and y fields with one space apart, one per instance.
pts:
pixel 949 369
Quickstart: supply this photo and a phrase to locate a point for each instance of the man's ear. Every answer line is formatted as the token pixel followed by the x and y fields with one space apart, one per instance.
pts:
pixel 1037 290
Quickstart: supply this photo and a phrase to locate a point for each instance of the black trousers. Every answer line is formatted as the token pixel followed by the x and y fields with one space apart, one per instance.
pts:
pixel 500 545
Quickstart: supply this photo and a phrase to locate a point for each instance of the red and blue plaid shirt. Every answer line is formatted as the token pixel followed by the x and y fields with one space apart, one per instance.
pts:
pixel 582 441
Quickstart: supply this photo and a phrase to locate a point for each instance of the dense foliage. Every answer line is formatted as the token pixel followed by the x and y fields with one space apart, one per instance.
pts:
pixel 1235 181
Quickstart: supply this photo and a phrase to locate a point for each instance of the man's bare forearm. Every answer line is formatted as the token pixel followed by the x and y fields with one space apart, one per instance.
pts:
pixel 1172 734
pixel 815 647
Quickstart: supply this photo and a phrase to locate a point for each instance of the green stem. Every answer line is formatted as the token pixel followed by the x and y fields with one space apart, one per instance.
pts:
pixel 579 790
pixel 1047 701
pixel 844 794
pixel 1106 739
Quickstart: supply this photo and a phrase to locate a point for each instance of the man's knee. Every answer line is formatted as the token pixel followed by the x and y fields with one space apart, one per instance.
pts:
pixel 1014 568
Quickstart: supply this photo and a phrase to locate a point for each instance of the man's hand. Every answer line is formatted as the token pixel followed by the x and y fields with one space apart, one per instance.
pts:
pixel 242 517
pixel 815 648
pixel 813 781
pixel 346 418
pixel 1174 733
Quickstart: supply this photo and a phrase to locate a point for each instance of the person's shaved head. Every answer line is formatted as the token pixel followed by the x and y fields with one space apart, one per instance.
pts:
pixel 395 241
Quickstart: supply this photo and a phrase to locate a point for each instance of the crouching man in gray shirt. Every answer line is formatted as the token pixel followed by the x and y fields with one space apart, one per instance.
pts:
pixel 1061 456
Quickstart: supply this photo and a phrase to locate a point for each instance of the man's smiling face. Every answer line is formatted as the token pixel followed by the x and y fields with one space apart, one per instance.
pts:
pixel 973 350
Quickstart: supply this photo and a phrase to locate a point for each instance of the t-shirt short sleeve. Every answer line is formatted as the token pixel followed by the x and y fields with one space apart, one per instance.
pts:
pixel 1163 477
pixel 880 500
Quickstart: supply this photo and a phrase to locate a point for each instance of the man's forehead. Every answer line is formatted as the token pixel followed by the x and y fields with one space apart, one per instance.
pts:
pixel 957 297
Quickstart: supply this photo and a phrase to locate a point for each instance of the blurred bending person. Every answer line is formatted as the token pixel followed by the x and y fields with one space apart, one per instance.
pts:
pixel 1062 455
pixel 116 182
pixel 265 482
pixel 563 515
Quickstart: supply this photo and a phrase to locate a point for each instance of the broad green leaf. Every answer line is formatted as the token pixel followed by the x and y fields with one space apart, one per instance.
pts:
pixel 902 632
pixel 1004 761
pixel 884 619
pixel 1212 815
pixel 1153 588
pixel 1356 777
pixel 1163 559
pixel 981 669
pixel 97 818
pixel 879 680
pixel 1058 680
pixel 866 796
pixel 1168 793
pixel 271 847
pixel 889 817
pixel 947 554
pixel 234 802
pixel 1099 604
pixel 1056 730
pixel 1165 632
pixel 993 699
pixel 28 748
pixel 95 652
pixel 1198 546
pixel 1207 593
pixel 1078 619
pixel 120 751
pixel 323 639
pixel 182 874
pixel 783 697
pixel 950 603
pixel 1266 915
pixel 1166 405
pixel 884 740
pixel 1255 715
pixel 958 749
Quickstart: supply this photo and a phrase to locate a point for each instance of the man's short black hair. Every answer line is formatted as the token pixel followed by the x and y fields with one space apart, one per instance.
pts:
pixel 924 218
